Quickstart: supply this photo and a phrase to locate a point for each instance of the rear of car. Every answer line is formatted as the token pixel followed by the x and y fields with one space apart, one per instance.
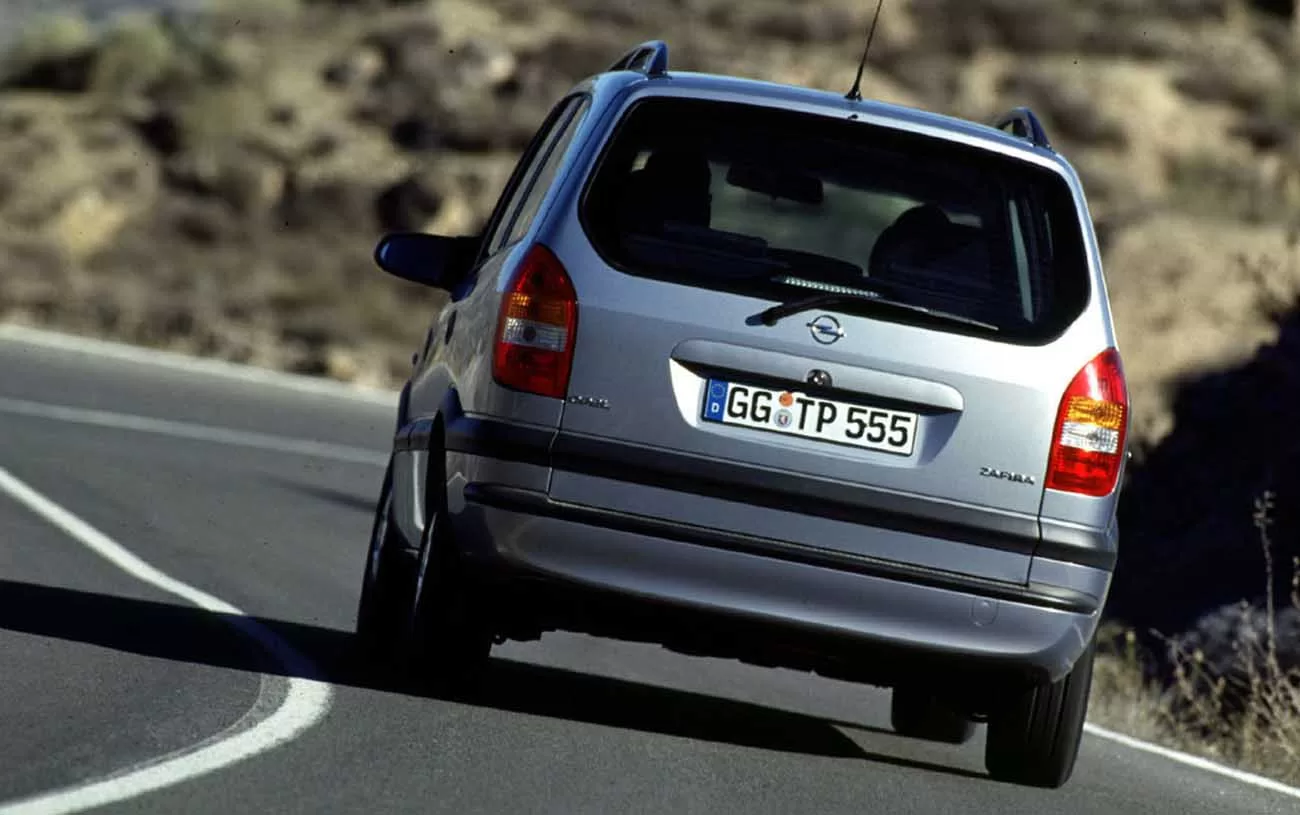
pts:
pixel 914 417
pixel 837 389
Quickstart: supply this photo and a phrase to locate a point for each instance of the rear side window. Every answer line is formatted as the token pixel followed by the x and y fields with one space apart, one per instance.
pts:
pixel 541 183
pixel 784 205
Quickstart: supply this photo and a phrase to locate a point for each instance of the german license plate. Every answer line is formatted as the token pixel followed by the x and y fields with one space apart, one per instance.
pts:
pixel 798 414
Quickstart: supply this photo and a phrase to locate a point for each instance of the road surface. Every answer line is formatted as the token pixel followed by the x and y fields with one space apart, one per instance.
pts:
pixel 146 509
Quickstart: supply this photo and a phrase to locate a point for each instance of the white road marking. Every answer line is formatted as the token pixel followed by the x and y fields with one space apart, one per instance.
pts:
pixel 304 702
pixel 1241 776
pixel 190 430
pixel 203 366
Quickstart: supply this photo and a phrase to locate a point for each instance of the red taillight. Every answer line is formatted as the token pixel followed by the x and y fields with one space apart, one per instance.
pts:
pixel 1091 426
pixel 537 327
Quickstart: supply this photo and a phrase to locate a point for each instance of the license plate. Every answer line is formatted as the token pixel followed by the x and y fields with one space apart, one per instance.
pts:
pixel 809 417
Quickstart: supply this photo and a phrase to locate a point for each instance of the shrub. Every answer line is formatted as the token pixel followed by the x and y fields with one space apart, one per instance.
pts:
pixel 133 57
pixel 1233 697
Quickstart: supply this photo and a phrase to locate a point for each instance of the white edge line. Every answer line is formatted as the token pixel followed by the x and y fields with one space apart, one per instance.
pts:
pixel 1249 779
pixel 247 373
pixel 305 702
pixel 194 432
pixel 14 332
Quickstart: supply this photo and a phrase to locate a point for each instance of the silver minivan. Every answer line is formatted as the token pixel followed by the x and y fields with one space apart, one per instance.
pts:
pixel 775 374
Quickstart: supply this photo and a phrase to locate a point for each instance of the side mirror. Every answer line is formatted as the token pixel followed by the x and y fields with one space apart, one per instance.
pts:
pixel 430 260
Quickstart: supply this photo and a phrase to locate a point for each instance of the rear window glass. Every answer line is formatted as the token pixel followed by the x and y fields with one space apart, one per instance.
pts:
pixel 785 206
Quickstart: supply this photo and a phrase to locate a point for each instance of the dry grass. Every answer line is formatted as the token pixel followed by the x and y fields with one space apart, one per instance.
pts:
pixel 1245 714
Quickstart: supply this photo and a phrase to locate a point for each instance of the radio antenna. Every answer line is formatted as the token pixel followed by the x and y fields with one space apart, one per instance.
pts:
pixel 855 93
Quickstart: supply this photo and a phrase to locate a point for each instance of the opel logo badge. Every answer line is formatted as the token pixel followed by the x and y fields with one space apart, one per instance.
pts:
pixel 826 329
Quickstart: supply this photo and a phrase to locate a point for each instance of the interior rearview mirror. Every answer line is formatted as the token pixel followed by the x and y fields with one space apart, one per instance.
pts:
pixel 431 260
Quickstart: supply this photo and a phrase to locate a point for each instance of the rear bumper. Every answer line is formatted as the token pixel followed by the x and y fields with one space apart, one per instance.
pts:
pixel 502 442
pixel 705 591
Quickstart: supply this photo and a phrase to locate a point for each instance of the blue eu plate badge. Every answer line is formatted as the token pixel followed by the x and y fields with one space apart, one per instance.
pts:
pixel 715 400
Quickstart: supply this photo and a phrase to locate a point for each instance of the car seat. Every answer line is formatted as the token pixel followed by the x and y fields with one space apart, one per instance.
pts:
pixel 673 187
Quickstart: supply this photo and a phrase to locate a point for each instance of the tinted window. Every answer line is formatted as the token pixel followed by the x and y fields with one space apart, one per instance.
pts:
pixel 784 205
pixel 540 184
pixel 525 171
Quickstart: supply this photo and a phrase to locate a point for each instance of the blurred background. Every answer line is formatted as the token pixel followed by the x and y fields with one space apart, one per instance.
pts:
pixel 210 177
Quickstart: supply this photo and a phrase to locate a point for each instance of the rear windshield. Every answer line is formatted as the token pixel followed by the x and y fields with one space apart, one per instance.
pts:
pixel 787 206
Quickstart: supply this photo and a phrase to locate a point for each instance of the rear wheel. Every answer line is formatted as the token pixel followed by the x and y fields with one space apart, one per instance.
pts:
pixel 1034 739
pixel 920 714
pixel 448 643
pixel 386 583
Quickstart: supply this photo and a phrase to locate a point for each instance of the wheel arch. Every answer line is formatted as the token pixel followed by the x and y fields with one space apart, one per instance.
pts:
pixel 420 459
pixel 434 487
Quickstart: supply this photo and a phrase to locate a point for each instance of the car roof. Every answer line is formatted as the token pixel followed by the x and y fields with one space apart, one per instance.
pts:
pixel 835 103
pixel 647 65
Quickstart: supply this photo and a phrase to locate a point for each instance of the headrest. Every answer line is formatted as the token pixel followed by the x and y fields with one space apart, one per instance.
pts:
pixel 686 166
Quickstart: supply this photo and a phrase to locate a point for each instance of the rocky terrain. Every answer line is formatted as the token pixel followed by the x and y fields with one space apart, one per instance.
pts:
pixel 215 182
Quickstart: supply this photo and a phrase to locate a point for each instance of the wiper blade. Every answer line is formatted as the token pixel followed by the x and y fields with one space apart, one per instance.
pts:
pixel 778 312
pixel 771 316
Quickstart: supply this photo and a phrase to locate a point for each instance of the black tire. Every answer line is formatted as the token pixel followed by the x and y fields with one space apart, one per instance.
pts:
pixel 447 643
pixel 919 714
pixel 387 582
pixel 1033 740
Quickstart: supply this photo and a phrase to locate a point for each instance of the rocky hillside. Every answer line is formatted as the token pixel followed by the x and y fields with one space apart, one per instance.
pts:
pixel 215 183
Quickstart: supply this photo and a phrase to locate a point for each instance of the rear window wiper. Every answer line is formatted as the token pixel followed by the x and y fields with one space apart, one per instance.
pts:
pixel 773 315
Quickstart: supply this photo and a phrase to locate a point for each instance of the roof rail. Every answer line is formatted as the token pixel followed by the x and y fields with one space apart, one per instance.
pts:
pixel 1022 122
pixel 649 58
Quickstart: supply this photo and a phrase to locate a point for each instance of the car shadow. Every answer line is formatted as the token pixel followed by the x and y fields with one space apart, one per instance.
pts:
pixel 363 503
pixel 197 636
pixel 558 693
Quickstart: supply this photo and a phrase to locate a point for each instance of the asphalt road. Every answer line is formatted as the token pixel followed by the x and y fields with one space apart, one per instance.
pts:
pixel 108 669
